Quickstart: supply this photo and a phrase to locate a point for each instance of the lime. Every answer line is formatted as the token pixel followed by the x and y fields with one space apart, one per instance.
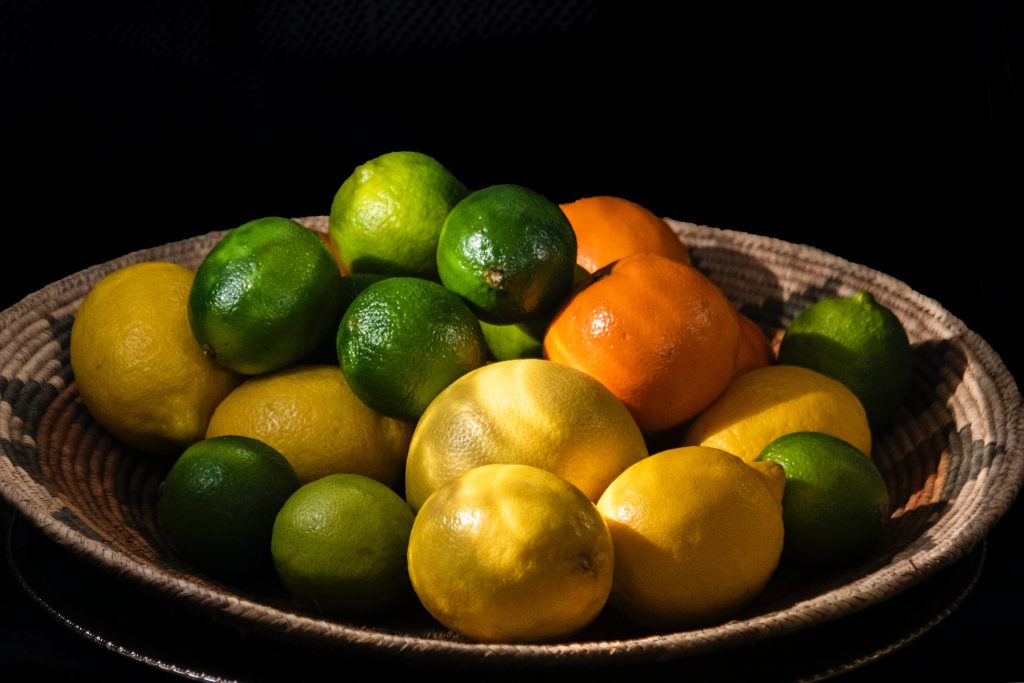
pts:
pixel 267 293
pixel 511 553
pixel 326 352
pixel 219 500
pixel 516 340
pixel 387 215
pixel 313 418
pixel 403 340
pixel 835 505
pixel 510 252
pixel 339 544
pixel 859 342
pixel 138 369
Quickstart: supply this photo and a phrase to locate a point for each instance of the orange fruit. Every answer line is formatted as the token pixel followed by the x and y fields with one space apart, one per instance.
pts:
pixel 754 350
pixel 610 228
pixel 658 333
pixel 333 248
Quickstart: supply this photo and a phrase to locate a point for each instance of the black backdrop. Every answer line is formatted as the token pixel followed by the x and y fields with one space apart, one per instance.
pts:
pixel 889 135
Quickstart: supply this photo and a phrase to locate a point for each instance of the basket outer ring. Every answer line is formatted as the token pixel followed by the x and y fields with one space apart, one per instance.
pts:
pixel 35 504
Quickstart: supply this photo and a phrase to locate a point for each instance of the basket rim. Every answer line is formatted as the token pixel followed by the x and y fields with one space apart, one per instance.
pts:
pixel 884 582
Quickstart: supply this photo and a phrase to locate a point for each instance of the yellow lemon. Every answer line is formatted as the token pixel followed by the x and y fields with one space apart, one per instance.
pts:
pixel 764 404
pixel 138 369
pixel 318 424
pixel 528 412
pixel 697 533
pixel 511 553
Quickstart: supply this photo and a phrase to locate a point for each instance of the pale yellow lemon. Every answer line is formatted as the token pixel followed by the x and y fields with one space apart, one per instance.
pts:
pixel 529 412
pixel 511 554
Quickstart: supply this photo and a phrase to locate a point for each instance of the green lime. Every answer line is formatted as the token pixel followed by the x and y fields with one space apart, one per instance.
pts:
pixel 835 504
pixel 339 543
pixel 405 339
pixel 326 352
pixel 267 293
pixel 859 342
pixel 516 340
pixel 218 503
pixel 387 215
pixel 510 252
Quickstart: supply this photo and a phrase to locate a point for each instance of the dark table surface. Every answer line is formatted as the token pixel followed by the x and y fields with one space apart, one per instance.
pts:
pixel 891 136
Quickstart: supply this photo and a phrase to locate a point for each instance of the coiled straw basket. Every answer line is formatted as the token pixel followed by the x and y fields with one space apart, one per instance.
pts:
pixel 953 461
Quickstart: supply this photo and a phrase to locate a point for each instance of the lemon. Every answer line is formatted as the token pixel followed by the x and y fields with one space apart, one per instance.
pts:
pixel 313 418
pixel 138 369
pixel 511 553
pixel 698 533
pixel 529 412
pixel 387 215
pixel 339 545
pixel 265 296
pixel 836 504
pixel 219 501
pixel 404 339
pixel 761 405
pixel 859 342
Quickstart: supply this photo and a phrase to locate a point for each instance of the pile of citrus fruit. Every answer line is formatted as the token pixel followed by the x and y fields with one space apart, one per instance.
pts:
pixel 450 398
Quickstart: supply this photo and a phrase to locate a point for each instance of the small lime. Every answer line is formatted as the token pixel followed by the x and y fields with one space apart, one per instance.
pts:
pixel 339 544
pixel 405 339
pixel 835 504
pixel 387 215
pixel 859 342
pixel 267 293
pixel 219 500
pixel 510 252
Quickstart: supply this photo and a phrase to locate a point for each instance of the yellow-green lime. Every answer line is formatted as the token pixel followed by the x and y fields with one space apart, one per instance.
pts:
pixel 267 293
pixel 859 342
pixel 313 418
pixel 528 412
pixel 339 545
pixel 836 504
pixel 509 251
pixel 218 503
pixel 387 215
pixel 403 340
pixel 511 554
pixel 761 405
pixel 138 369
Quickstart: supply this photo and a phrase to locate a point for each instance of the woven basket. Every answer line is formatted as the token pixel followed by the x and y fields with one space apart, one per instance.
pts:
pixel 953 461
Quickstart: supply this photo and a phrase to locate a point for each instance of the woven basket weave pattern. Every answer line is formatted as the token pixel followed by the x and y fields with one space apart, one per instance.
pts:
pixel 953 462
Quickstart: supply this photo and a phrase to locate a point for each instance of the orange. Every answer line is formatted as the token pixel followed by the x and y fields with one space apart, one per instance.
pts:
pixel 332 247
pixel 658 333
pixel 754 350
pixel 609 228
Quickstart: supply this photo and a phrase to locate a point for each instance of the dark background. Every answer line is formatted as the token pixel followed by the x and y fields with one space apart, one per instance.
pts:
pixel 890 135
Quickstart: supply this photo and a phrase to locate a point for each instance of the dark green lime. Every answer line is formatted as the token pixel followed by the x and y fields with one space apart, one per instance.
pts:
pixel 267 293
pixel 403 340
pixel 218 503
pixel 509 252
